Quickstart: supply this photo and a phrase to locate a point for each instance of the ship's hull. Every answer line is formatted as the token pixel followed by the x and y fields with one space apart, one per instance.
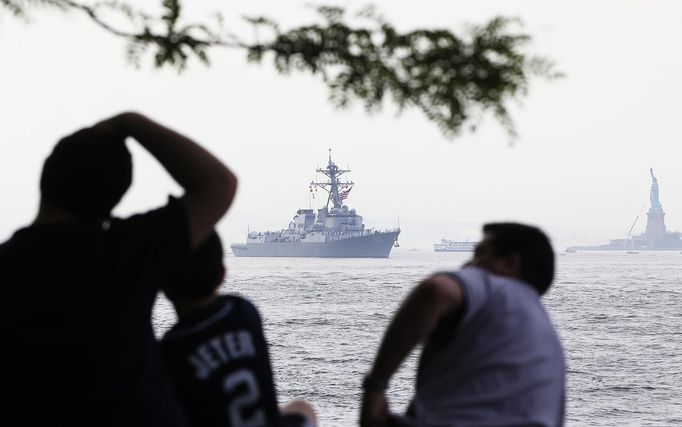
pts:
pixel 455 250
pixel 623 248
pixel 377 245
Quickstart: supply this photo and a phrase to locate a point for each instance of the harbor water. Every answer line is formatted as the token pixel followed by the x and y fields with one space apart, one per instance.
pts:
pixel 619 316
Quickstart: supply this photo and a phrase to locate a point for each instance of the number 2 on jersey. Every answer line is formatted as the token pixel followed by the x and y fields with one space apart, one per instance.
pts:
pixel 242 400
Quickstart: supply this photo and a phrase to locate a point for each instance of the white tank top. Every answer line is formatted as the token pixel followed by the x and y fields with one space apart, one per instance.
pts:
pixel 500 363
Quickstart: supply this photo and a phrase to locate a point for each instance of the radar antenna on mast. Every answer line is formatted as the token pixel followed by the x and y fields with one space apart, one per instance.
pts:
pixel 333 186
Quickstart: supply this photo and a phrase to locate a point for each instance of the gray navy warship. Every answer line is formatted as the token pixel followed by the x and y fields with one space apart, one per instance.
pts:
pixel 335 231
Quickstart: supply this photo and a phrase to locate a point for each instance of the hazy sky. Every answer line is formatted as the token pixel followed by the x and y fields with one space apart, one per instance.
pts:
pixel 579 168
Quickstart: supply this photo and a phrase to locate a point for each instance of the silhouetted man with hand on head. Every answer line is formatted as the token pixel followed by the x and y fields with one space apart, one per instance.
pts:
pixel 217 356
pixel 491 356
pixel 79 285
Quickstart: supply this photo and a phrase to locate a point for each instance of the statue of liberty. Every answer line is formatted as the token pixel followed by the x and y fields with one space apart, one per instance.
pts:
pixel 653 195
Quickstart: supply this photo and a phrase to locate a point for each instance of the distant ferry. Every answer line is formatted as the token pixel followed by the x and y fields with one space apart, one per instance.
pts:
pixel 453 246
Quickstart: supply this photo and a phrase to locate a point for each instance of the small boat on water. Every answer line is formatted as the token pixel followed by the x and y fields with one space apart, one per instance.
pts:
pixel 632 252
pixel 454 246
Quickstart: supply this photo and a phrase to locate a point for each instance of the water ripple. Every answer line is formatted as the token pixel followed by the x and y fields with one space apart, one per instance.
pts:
pixel 619 317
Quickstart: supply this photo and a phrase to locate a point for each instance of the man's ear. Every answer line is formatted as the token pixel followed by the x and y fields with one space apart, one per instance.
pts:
pixel 511 265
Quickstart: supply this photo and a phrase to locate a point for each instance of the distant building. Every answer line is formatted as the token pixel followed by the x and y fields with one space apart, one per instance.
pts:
pixel 655 237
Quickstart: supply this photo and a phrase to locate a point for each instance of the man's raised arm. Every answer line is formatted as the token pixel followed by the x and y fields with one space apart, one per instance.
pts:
pixel 209 185
pixel 415 320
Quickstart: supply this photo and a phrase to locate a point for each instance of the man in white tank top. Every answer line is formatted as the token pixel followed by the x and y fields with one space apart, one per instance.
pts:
pixel 491 356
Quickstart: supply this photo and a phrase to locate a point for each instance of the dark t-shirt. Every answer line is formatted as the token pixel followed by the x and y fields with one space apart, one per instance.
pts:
pixel 78 345
pixel 219 364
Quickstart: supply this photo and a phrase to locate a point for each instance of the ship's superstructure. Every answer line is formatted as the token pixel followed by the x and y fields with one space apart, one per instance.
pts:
pixel 655 237
pixel 334 231
pixel 454 246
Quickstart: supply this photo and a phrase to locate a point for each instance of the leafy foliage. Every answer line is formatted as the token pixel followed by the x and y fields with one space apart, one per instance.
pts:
pixel 451 79
pixel 18 7
pixel 454 80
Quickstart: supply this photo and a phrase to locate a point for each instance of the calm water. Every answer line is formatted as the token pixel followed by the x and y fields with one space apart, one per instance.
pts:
pixel 619 315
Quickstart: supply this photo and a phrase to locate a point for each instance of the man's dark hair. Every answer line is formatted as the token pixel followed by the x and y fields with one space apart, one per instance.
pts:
pixel 87 173
pixel 532 246
pixel 203 274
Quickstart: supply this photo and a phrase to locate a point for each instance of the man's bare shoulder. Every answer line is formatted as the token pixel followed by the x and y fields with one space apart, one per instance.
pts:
pixel 444 285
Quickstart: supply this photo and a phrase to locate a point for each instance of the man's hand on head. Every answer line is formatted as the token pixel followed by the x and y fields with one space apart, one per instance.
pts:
pixel 208 184
pixel 113 127
pixel 120 125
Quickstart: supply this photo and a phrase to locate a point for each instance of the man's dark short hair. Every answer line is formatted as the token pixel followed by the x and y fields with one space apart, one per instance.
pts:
pixel 87 173
pixel 203 274
pixel 533 247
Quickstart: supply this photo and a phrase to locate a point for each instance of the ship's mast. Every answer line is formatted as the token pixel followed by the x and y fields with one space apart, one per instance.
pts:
pixel 334 185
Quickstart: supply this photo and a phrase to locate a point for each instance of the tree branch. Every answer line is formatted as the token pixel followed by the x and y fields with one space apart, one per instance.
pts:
pixel 92 14
pixel 454 80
